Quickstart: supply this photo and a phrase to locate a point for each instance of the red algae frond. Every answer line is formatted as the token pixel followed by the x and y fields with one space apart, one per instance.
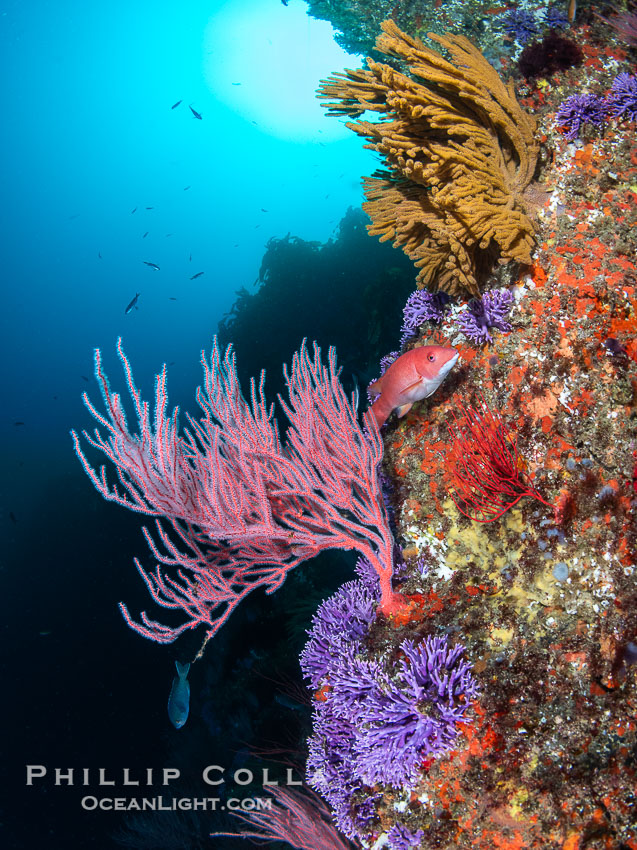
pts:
pixel 484 465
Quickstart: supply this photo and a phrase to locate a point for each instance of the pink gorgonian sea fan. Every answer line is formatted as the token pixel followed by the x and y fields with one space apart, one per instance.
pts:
pixel 235 507
pixel 298 818
pixel 624 22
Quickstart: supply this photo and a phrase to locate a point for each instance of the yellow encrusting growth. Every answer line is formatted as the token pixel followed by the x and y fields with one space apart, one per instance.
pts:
pixel 460 150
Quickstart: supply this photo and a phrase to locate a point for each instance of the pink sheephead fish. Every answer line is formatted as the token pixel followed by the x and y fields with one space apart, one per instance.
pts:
pixel 415 375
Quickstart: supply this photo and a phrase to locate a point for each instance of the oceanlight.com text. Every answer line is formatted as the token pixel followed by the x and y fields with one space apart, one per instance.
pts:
pixel 170 804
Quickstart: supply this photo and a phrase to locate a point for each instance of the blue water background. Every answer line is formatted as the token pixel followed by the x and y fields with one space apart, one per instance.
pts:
pixel 87 135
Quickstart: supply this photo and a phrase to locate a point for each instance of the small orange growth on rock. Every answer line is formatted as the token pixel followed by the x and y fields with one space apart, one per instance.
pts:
pixel 572 842
pixel 565 508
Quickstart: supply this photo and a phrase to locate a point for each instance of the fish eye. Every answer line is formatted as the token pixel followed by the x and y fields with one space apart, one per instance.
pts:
pixel 431 357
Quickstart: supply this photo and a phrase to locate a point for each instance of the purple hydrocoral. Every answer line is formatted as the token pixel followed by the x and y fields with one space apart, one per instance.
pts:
pixel 385 363
pixel 622 100
pixel 387 360
pixel 422 306
pixel 330 769
pixel 490 311
pixel 401 720
pixel 401 838
pixel 580 109
pixel 340 623
pixel 520 25
pixel 374 723
pixel 556 17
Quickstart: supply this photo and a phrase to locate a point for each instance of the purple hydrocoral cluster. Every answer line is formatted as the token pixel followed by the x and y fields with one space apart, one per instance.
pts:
pixel 385 363
pixel 520 25
pixel 387 360
pixel 490 311
pixel 374 723
pixel 401 838
pixel 556 17
pixel 412 714
pixel 622 100
pixel 340 623
pixel 422 306
pixel 579 109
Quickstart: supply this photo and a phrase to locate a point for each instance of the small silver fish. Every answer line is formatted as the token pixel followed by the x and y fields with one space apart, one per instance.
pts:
pixel 179 699
pixel 153 266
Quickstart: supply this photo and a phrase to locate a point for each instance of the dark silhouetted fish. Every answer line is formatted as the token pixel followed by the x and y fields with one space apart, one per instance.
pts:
pixel 186 188
pixel 150 208
pixel 145 235
pixel 99 255
pixel 132 211
pixel 132 304
pixel 152 266
pixel 19 422
pixel 262 210
pixel 175 105
pixel 190 259
pixel 170 298
pixel 84 378
pixel 196 275
pixel 195 113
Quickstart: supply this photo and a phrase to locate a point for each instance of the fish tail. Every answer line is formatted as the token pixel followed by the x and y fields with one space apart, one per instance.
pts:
pixel 381 411
pixel 182 669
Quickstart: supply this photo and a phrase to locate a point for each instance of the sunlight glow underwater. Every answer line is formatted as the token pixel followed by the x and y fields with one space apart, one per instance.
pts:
pixel 244 39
